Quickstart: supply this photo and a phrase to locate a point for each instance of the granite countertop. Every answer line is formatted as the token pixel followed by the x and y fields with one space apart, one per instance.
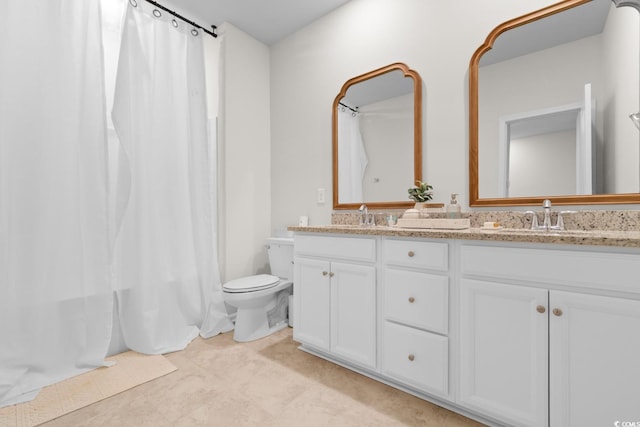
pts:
pixel 629 239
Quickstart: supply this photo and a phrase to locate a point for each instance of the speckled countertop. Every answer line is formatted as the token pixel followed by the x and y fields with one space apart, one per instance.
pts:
pixel 603 228
pixel 629 239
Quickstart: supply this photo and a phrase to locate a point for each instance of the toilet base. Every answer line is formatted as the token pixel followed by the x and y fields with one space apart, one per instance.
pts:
pixel 260 313
pixel 246 329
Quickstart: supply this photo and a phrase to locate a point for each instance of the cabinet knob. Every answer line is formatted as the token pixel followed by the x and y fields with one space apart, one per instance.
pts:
pixel 557 312
pixel 541 309
pixel 331 274
pixel 324 273
pixel 412 299
pixel 411 254
pixel 411 357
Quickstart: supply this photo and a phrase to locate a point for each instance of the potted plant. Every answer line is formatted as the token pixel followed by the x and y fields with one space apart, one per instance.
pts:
pixel 421 194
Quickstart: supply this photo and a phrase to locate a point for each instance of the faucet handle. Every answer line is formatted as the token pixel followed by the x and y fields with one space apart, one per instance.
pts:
pixel 560 222
pixel 534 219
pixel 364 214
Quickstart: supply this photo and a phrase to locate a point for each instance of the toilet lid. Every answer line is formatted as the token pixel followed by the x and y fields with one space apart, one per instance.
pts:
pixel 251 283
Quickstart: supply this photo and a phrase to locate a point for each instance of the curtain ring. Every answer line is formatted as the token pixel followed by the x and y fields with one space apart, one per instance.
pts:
pixel 133 3
pixel 157 13
pixel 174 23
pixel 194 32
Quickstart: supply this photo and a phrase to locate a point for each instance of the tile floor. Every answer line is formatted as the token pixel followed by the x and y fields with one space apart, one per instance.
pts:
pixel 268 382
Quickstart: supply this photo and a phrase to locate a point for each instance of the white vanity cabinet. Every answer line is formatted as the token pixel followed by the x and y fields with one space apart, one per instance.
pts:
pixel 549 336
pixel 415 309
pixel 335 296
pixel 514 334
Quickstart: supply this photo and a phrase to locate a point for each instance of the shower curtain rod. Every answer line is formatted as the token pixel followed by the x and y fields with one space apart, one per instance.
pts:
pixel 177 15
pixel 346 106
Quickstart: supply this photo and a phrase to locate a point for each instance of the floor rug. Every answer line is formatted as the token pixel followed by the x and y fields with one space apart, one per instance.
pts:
pixel 131 369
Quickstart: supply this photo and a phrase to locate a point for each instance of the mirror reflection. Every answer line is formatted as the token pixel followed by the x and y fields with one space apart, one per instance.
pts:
pixel 553 92
pixel 377 138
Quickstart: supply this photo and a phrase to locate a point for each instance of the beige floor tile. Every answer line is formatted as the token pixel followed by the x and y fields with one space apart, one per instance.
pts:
pixel 268 382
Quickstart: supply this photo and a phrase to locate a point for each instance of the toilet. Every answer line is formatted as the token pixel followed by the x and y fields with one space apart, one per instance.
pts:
pixel 263 300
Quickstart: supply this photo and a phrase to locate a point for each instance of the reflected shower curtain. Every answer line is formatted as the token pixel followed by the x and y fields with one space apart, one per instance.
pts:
pixel 352 157
pixel 55 296
pixel 164 254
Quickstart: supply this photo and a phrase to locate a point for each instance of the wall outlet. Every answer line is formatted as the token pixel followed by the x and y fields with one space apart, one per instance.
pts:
pixel 320 195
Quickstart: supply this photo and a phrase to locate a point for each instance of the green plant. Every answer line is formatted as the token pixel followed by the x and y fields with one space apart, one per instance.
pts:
pixel 421 193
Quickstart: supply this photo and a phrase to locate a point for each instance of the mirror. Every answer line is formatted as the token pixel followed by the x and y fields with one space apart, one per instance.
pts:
pixel 377 138
pixel 550 94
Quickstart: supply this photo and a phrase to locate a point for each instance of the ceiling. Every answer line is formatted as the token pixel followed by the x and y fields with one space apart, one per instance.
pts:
pixel 379 88
pixel 266 20
pixel 573 24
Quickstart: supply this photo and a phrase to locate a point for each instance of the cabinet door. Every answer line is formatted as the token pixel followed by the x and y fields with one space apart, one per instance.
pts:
pixel 353 312
pixel 311 302
pixel 594 360
pixel 504 351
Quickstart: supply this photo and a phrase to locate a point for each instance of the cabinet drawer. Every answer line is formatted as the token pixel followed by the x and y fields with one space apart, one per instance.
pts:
pixel 416 358
pixel 600 270
pixel 416 253
pixel 343 248
pixel 416 299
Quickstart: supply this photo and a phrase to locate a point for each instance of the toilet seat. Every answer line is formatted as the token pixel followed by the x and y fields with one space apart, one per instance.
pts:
pixel 251 283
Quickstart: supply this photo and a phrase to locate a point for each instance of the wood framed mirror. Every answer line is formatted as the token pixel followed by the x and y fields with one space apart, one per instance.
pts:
pixel 377 139
pixel 516 83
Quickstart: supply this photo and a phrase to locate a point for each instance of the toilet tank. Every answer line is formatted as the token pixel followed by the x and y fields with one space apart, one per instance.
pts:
pixel 280 251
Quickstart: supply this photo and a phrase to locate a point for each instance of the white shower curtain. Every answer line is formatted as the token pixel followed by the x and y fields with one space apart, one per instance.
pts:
pixel 55 297
pixel 352 157
pixel 165 272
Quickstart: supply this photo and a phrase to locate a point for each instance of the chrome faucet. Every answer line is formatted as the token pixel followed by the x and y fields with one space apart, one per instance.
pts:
pixel 546 206
pixel 546 222
pixel 366 219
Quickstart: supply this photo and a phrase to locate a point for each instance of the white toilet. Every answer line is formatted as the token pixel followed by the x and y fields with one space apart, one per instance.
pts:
pixel 263 300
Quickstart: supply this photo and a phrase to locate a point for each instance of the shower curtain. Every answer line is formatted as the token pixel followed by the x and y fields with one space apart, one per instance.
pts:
pixel 352 157
pixel 55 296
pixel 166 281
pixel 64 253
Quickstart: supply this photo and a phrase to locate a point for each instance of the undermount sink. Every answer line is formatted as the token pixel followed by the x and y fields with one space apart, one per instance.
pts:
pixel 542 231
pixel 348 226
pixel 435 223
pixel 352 226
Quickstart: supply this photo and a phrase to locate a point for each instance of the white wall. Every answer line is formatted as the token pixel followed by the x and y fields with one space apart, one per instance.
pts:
pixel 244 155
pixel 520 85
pixel 551 158
pixel 621 160
pixel 387 135
pixel 308 68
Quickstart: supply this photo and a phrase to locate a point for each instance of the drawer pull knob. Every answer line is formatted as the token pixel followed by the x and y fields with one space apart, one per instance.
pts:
pixel 411 254
pixel 557 312
pixel 324 273
pixel 331 274
pixel 411 357
pixel 541 309
pixel 412 299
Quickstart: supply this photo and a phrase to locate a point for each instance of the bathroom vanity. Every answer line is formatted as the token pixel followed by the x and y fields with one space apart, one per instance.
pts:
pixel 509 327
